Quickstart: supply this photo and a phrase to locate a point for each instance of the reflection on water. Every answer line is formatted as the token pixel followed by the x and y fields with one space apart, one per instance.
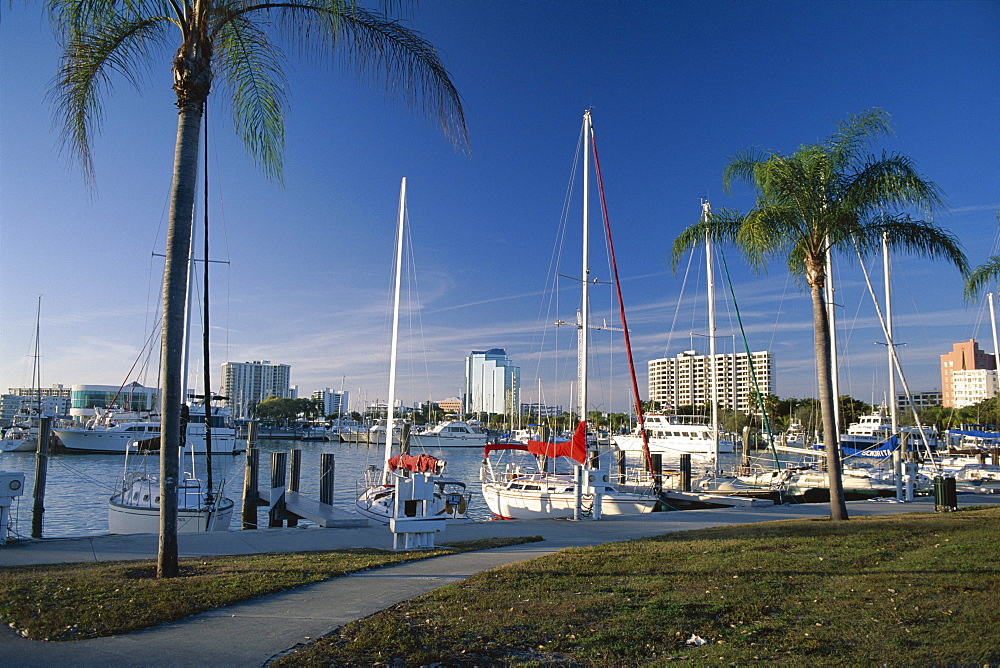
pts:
pixel 78 486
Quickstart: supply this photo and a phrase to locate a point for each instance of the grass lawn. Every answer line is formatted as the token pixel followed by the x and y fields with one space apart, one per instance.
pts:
pixel 900 590
pixel 87 600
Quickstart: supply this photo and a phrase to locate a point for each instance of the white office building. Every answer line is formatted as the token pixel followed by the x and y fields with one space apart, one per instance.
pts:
pixel 248 383
pixel 332 402
pixel 686 380
pixel 492 383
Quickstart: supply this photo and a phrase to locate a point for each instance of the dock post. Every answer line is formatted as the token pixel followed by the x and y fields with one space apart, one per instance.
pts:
pixel 278 462
pixel 594 459
pixel 41 472
pixel 685 472
pixel 294 478
pixel 251 476
pixel 657 460
pixel 404 438
pixel 326 471
pixel 543 461
pixel 252 428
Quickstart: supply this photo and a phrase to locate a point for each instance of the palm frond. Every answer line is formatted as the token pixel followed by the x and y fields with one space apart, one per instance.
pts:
pixel 721 225
pixel 890 182
pixel 249 68
pixel 742 167
pixel 982 276
pixel 854 133
pixel 120 47
pixel 384 51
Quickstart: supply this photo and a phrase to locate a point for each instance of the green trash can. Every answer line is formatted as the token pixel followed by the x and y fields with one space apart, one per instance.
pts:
pixel 945 494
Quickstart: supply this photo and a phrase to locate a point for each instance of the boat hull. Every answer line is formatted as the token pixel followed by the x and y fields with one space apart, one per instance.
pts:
pixel 673 448
pixel 126 518
pixel 107 442
pixel 518 504
pixel 436 441
pixel 18 444
pixel 377 504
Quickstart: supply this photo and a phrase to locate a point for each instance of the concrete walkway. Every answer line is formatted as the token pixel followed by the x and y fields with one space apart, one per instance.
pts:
pixel 251 633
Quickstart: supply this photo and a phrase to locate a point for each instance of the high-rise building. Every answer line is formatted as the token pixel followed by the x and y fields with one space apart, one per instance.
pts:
pixel 492 383
pixel 964 356
pixel 686 380
pixel 333 402
pixel 971 386
pixel 246 383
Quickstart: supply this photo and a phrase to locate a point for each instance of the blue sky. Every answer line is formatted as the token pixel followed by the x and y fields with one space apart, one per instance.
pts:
pixel 675 88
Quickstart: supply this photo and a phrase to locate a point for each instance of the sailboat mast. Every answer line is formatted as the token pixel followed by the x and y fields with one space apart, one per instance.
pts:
pixel 582 333
pixel 706 210
pixel 395 332
pixel 893 412
pixel 36 369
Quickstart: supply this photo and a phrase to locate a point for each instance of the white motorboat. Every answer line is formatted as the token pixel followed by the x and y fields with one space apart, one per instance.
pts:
pixel 22 436
pixel 107 435
pixel 675 435
pixel 451 435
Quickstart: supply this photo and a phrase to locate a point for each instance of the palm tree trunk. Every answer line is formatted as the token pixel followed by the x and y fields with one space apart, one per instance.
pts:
pixel 175 287
pixel 831 439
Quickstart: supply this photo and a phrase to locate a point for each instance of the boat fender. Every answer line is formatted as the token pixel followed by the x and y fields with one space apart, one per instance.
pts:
pixel 463 505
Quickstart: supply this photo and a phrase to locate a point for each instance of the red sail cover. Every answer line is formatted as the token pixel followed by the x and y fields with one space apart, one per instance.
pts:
pixel 415 463
pixel 574 449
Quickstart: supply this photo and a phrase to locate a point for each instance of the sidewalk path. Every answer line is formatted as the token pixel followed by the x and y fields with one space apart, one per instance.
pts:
pixel 251 633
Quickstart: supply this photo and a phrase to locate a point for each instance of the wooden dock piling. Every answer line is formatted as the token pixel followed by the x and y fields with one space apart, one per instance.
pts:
pixel 251 475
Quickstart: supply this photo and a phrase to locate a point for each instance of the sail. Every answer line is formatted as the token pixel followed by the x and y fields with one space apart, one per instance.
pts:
pixel 574 449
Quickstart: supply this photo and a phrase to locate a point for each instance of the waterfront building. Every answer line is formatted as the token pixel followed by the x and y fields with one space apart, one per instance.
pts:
pixel 12 404
pixel 86 401
pixel 540 410
pixel 921 400
pixel 451 405
pixel 964 356
pixel 248 383
pixel 972 386
pixel 492 383
pixel 332 402
pixel 686 380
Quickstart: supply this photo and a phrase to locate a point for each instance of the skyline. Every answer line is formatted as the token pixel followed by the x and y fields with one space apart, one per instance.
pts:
pixel 675 90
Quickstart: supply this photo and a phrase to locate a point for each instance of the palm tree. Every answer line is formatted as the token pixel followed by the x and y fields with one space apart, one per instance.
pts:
pixel 234 42
pixel 824 197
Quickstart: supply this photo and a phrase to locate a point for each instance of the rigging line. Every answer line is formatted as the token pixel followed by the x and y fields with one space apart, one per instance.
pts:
pixel 753 371
pixel 621 307
pixel 895 358
pixel 677 305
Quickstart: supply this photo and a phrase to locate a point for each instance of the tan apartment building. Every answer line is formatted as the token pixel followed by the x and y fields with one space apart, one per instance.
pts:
pixel 964 356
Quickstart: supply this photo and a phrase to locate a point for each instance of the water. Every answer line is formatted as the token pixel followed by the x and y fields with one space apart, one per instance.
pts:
pixel 78 486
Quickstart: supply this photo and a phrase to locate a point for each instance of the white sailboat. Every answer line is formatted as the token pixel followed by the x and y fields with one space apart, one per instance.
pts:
pixel 22 435
pixel 201 505
pixel 377 495
pixel 529 490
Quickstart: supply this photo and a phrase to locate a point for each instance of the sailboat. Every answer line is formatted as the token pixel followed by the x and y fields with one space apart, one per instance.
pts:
pixel 530 490
pixel 377 498
pixel 135 505
pixel 22 435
